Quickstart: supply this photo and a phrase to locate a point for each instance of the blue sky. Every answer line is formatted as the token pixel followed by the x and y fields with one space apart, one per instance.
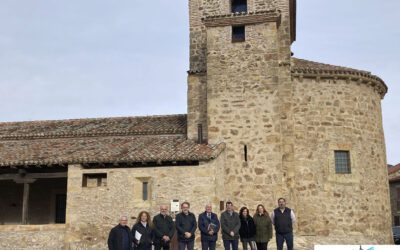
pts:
pixel 97 58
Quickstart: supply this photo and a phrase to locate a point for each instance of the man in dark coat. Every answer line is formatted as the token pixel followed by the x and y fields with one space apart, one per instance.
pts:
pixel 120 237
pixel 209 226
pixel 283 219
pixel 230 225
pixel 186 227
pixel 164 229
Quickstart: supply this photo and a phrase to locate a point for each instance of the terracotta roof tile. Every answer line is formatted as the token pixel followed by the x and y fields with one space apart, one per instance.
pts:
pixel 104 140
pixel 144 125
pixel 110 149
pixel 306 68
pixel 394 169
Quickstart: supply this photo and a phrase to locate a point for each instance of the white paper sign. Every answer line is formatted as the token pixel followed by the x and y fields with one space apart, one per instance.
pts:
pixel 138 235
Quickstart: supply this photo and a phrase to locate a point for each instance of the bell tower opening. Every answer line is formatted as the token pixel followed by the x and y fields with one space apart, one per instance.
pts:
pixel 238 6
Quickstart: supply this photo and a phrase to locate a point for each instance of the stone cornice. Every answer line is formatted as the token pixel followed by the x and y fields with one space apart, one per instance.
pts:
pixel 242 18
pixel 196 72
pixel 362 77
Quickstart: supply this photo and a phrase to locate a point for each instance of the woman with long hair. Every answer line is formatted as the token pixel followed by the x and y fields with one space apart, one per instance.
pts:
pixel 142 232
pixel 263 227
pixel 247 229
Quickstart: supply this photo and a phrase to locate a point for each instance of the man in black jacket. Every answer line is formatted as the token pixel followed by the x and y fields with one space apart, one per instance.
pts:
pixel 164 229
pixel 186 227
pixel 209 226
pixel 283 219
pixel 120 237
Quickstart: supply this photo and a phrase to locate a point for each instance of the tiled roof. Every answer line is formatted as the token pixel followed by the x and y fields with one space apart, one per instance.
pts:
pixel 306 68
pixel 169 124
pixel 394 169
pixel 105 140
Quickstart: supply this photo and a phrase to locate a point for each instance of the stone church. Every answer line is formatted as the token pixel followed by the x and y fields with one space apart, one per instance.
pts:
pixel 260 125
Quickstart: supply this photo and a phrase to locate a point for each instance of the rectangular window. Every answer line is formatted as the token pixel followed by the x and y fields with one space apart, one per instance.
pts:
pixel 238 33
pixel 239 6
pixel 145 190
pixel 396 220
pixel 61 206
pixel 342 162
pixel 398 198
pixel 94 180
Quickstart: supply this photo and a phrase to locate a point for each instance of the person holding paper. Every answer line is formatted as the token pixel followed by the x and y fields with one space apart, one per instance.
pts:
pixel 186 227
pixel 209 226
pixel 142 232
pixel 164 229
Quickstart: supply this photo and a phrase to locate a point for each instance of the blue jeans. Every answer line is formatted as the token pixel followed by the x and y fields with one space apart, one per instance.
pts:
pixel 280 238
pixel 183 244
pixel 208 245
pixel 228 243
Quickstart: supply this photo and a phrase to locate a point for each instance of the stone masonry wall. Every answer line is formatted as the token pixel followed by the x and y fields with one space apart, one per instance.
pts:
pixel 340 115
pixel 93 211
pixel 197 105
pixel 27 237
pixel 243 111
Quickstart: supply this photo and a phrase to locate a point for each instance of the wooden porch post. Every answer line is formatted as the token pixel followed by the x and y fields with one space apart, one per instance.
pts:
pixel 25 204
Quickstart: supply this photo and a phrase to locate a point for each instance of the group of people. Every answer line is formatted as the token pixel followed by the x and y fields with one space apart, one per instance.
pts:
pixel 254 232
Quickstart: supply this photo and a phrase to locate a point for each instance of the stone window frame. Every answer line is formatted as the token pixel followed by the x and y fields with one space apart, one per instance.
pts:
pixel 330 174
pixel 101 178
pixel 143 180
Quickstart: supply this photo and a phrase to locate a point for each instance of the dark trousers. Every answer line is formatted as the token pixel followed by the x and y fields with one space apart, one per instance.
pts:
pixel 262 245
pixel 183 244
pixel 208 245
pixel 163 246
pixel 280 238
pixel 228 243
pixel 249 242
pixel 143 248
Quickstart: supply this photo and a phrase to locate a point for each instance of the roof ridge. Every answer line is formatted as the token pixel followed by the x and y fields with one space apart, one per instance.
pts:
pixel 90 119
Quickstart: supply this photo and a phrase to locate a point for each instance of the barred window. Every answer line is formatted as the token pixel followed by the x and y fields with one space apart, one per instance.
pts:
pixel 342 162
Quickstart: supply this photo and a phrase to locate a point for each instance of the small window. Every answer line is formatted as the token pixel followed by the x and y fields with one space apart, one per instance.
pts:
pixel 239 6
pixel 94 180
pixel 342 162
pixel 145 190
pixel 396 220
pixel 238 34
pixel 245 152
pixel 398 198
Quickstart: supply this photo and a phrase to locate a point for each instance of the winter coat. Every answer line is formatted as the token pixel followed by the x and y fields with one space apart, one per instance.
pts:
pixel 247 227
pixel 147 235
pixel 162 226
pixel 206 223
pixel 230 223
pixel 185 223
pixel 263 225
pixel 115 238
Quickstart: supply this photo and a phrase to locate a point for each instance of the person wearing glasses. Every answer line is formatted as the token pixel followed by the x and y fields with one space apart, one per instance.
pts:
pixel 186 225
